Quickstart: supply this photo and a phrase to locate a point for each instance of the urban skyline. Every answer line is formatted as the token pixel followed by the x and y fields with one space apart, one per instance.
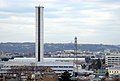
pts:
pixel 92 21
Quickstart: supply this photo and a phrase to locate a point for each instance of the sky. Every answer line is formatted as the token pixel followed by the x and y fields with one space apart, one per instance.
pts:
pixel 91 21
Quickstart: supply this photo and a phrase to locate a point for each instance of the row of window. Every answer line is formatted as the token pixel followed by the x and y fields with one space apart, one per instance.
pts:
pixel 61 66
pixel 63 70
pixel 113 63
pixel 113 59
pixel 113 71
pixel 52 66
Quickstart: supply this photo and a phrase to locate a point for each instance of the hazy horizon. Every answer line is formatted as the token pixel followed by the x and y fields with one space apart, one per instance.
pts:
pixel 57 43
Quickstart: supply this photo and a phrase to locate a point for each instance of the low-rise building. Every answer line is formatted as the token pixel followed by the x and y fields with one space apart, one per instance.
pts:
pixel 113 59
pixel 114 70
pixel 27 73
pixel 59 65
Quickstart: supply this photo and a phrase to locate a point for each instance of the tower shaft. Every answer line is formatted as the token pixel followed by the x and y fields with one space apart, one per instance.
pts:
pixel 39 34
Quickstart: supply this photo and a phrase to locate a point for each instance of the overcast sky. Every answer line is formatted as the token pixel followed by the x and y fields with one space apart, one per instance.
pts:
pixel 92 21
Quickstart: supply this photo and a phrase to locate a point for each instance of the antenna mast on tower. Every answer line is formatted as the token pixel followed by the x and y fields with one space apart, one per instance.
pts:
pixel 75 65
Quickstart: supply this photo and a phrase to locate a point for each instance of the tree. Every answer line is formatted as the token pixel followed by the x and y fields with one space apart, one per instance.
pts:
pixel 98 64
pixel 87 59
pixel 83 66
pixel 107 74
pixel 5 59
pixel 65 76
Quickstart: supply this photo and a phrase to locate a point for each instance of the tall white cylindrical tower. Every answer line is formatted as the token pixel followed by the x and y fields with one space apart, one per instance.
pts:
pixel 39 34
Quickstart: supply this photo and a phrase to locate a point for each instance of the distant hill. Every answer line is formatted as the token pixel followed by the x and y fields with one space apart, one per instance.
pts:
pixel 17 47
pixel 53 47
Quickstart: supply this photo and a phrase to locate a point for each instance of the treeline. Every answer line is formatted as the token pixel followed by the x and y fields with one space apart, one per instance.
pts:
pixel 53 47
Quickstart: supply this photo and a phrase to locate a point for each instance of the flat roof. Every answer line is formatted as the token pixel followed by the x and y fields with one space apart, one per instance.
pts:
pixel 45 59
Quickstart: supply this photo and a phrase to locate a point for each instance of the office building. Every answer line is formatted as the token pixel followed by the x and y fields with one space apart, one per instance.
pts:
pixel 113 59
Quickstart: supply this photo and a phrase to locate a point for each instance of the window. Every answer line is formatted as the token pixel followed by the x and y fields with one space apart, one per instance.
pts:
pixel 117 72
pixel 109 71
pixel 52 66
pixel 55 66
pixel 70 66
pixel 65 66
pixel 60 66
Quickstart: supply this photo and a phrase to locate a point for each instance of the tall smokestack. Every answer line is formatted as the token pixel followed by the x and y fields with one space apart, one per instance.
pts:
pixel 39 34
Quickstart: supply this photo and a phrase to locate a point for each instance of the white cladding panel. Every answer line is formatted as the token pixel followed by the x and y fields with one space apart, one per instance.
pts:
pixel 39 34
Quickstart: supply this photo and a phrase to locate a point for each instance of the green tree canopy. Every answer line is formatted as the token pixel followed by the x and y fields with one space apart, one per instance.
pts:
pixel 65 76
